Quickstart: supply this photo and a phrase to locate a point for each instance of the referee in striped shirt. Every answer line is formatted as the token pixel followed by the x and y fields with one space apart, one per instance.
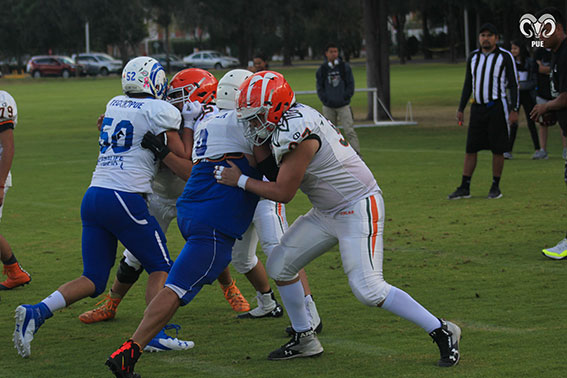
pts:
pixel 490 70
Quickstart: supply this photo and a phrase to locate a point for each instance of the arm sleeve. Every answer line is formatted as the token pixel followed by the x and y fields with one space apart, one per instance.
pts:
pixel 512 77
pixel 349 81
pixel 320 85
pixel 467 86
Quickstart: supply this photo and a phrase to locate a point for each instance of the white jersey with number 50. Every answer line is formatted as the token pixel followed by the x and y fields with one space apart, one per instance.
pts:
pixel 336 178
pixel 123 164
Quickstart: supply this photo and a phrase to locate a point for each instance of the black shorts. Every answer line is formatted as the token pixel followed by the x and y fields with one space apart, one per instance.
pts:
pixel 488 128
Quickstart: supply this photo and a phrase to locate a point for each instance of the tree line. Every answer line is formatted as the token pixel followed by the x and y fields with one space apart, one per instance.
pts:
pixel 292 28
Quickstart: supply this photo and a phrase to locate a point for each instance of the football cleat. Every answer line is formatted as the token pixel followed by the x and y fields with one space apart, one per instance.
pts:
pixel 162 342
pixel 447 338
pixel 122 362
pixel 268 307
pixel 302 344
pixel 459 193
pixel 28 320
pixel 559 252
pixel 16 277
pixel 106 311
pixel 235 298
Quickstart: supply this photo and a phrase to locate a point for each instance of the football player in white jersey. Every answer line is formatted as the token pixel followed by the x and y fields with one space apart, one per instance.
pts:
pixel 8 120
pixel 348 209
pixel 114 206
pixel 167 187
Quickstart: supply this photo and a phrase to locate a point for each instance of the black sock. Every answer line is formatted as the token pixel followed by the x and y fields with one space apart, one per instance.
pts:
pixel 466 182
pixel 11 260
pixel 495 182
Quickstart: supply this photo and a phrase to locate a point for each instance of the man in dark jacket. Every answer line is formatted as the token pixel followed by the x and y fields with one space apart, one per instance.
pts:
pixel 335 87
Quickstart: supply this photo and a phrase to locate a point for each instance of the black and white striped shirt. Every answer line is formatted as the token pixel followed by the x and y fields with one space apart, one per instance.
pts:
pixel 488 76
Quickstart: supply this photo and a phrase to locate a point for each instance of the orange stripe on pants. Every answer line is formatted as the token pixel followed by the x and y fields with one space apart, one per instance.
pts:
pixel 375 215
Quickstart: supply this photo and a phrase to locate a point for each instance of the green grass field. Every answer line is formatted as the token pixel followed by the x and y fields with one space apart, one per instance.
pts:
pixel 476 262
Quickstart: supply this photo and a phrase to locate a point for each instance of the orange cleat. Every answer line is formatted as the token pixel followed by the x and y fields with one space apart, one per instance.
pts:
pixel 16 277
pixel 105 312
pixel 235 297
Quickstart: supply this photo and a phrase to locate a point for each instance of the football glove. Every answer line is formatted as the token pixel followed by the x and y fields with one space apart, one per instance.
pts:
pixel 156 145
pixel 190 113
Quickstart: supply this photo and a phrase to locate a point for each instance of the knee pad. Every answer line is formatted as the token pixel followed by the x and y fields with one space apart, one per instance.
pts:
pixel 276 267
pixel 245 266
pixel 127 274
pixel 370 291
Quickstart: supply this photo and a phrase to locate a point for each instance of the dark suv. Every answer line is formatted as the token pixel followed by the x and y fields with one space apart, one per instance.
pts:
pixel 52 65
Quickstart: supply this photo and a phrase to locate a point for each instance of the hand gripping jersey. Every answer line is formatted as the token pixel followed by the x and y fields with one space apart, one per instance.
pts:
pixel 228 209
pixel 123 164
pixel 336 177
pixel 166 183
pixel 8 119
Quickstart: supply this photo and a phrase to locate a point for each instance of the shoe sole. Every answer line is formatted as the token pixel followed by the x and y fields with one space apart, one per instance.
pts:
pixel 153 349
pixel 18 338
pixel 498 196
pixel 459 197
pixel 278 314
pixel 119 373
pixel 2 287
pixel 304 355
pixel 553 257
pixel 91 321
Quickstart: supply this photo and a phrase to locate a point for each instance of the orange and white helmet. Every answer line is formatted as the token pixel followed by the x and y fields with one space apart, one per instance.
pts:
pixel 192 84
pixel 261 102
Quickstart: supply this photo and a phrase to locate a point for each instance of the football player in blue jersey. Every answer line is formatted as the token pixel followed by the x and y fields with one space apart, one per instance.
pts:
pixel 209 237
pixel 114 206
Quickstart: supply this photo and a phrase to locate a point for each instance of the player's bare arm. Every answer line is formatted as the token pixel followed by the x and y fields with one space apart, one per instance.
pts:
pixel 292 170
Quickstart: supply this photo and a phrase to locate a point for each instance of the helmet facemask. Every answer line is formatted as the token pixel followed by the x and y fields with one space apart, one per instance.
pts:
pixel 182 94
pixel 257 128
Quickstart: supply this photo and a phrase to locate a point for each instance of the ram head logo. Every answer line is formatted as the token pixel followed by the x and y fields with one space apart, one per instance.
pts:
pixel 536 28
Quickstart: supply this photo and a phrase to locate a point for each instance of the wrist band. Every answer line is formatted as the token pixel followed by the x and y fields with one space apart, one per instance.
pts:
pixel 242 182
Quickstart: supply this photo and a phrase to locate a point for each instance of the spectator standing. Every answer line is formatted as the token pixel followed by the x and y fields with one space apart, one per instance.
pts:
pixel 542 57
pixel 335 87
pixel 558 45
pixel 527 80
pixel 490 70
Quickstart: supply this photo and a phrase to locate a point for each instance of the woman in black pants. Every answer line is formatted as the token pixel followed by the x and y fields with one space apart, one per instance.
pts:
pixel 527 78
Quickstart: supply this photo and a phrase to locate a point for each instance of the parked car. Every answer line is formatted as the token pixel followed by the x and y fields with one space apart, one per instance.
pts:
pixel 211 59
pixel 99 63
pixel 175 64
pixel 52 65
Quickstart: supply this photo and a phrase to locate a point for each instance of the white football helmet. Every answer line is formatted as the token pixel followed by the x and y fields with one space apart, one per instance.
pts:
pixel 144 75
pixel 228 86
pixel 8 108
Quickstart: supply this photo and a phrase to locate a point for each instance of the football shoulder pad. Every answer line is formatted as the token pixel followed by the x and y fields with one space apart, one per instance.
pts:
pixel 296 125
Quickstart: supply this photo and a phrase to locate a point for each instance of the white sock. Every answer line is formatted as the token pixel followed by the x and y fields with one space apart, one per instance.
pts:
pixel 400 303
pixel 294 302
pixel 55 301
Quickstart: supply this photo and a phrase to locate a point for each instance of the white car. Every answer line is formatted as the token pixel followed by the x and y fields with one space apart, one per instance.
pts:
pixel 211 59
pixel 99 63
